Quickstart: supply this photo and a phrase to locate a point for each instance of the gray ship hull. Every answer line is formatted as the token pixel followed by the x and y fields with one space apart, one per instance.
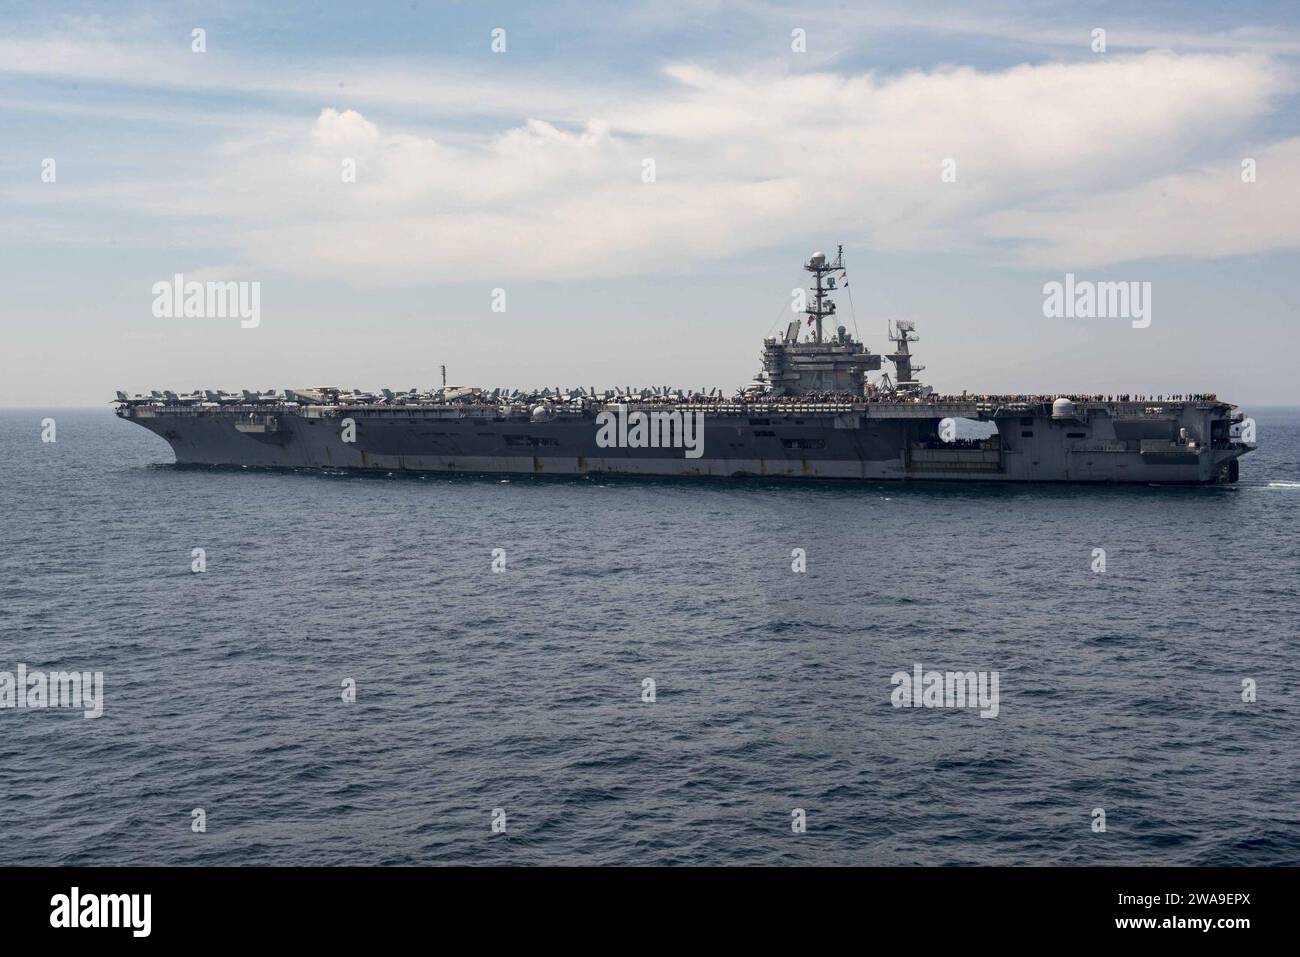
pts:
pixel 1103 443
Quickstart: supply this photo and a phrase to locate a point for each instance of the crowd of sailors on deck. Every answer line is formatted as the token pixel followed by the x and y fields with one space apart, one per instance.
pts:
pixel 1122 397
pixel 1049 398
pixel 841 398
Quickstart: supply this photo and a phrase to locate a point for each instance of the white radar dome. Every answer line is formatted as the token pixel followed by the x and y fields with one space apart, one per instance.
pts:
pixel 1062 409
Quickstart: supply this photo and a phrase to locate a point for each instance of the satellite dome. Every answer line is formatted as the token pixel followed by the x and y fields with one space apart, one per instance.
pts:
pixel 818 259
pixel 1062 409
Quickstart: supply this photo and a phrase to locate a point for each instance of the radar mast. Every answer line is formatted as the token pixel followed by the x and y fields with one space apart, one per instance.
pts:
pixel 901 332
pixel 822 305
pixel 832 361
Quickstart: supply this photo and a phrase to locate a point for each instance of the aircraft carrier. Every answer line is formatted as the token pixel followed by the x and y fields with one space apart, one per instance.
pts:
pixel 812 412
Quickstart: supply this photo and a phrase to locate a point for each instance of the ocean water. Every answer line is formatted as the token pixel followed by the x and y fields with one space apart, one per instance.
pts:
pixel 521 690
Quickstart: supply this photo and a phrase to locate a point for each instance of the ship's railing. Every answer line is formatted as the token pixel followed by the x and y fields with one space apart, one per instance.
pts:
pixel 957 407
pixel 1081 408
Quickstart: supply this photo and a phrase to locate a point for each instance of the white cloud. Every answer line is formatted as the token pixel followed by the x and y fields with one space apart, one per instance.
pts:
pixel 1205 212
pixel 1056 162
pixel 137 66
pixel 1053 156
pixel 348 128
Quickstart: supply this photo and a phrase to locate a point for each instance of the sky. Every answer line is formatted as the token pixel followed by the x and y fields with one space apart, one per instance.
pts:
pixel 561 194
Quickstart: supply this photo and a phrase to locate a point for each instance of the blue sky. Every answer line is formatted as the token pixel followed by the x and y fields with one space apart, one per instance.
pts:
pixel 523 170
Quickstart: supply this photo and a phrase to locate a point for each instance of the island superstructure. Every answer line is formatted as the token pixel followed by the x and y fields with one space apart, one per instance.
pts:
pixel 812 412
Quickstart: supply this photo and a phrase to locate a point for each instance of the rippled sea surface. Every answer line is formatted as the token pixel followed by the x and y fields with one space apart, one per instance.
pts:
pixel 522 690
